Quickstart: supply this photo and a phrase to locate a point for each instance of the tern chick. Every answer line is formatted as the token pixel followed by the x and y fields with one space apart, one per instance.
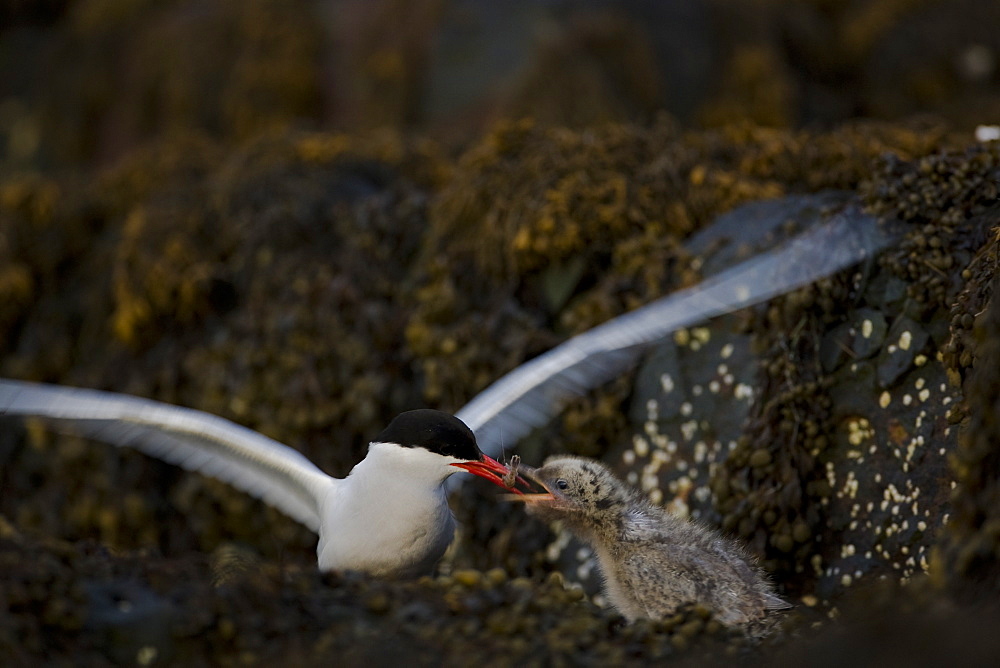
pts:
pixel 653 562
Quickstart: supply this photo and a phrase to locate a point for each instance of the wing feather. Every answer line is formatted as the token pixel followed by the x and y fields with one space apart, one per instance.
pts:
pixel 528 396
pixel 194 440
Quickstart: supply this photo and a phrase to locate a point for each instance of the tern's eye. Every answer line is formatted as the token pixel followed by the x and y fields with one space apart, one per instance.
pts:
pixel 562 484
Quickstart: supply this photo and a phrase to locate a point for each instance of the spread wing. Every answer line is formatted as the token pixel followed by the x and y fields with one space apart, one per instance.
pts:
pixel 198 441
pixel 528 396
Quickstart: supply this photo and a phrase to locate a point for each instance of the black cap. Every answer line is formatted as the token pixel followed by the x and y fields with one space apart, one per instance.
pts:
pixel 432 430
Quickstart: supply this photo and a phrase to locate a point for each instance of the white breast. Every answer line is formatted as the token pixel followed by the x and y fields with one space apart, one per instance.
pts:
pixel 390 516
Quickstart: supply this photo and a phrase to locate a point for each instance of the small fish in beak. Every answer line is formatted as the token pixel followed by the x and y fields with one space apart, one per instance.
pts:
pixel 510 479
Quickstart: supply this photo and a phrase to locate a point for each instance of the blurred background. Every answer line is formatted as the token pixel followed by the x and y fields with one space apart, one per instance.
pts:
pixel 84 82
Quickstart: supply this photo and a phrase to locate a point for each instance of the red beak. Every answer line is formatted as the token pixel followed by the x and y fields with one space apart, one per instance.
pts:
pixel 490 469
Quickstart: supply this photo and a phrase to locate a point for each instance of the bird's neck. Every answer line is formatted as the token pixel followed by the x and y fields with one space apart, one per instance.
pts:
pixel 389 464
pixel 603 527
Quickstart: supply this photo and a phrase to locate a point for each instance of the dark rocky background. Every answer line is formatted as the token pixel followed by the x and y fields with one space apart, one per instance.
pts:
pixel 309 216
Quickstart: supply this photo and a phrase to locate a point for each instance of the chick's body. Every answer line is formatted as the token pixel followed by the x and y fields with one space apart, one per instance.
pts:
pixel 653 562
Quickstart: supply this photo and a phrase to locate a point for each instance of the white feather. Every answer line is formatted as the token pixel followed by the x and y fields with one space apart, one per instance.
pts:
pixel 528 396
pixel 197 441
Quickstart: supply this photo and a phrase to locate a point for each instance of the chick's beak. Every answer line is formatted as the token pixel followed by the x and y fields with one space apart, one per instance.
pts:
pixel 488 468
pixel 532 497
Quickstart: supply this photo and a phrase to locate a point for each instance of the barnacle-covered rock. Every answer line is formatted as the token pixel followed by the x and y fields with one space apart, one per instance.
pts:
pixel 311 285
pixel 91 606
pixel 942 197
pixel 960 351
pixel 969 561
pixel 256 286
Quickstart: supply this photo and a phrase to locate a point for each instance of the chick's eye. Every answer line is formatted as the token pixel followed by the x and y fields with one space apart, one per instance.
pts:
pixel 562 484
